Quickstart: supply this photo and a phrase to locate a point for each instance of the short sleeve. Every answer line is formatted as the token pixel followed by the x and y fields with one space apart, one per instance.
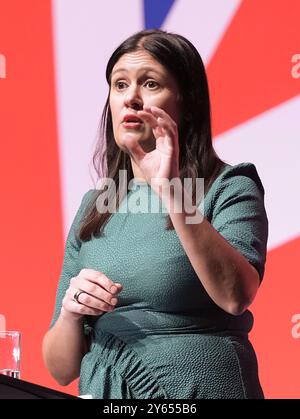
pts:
pixel 238 212
pixel 70 261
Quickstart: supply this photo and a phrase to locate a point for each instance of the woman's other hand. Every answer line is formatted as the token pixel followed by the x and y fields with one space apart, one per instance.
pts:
pixel 98 295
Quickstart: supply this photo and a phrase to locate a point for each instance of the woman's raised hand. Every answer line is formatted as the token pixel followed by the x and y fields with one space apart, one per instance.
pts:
pixel 163 161
pixel 90 293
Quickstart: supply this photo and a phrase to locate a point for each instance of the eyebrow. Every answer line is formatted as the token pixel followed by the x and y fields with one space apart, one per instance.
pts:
pixel 142 69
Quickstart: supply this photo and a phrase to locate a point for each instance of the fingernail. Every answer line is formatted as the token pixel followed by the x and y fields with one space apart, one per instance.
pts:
pixel 113 289
pixel 113 301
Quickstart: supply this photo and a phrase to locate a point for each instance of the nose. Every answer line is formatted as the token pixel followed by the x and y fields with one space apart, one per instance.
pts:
pixel 133 99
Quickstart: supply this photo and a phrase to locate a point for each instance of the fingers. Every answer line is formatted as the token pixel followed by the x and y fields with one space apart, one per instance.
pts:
pixel 148 117
pixel 97 285
pixel 96 277
pixel 165 125
pixel 159 113
pixel 97 282
pixel 158 119
pixel 91 301
pixel 80 309
pixel 99 293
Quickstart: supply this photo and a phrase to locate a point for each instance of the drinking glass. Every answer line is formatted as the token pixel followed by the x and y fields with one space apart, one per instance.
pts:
pixel 10 353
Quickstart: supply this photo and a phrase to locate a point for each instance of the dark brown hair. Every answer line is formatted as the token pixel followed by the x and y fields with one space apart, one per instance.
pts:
pixel 197 157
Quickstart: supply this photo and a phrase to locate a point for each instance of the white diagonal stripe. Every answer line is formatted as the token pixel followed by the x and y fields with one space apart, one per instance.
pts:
pixel 85 35
pixel 202 22
pixel 272 142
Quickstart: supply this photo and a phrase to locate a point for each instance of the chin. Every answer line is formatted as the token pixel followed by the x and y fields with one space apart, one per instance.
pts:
pixel 147 145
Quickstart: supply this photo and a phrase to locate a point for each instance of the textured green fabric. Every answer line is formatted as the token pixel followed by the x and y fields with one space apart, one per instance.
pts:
pixel 167 338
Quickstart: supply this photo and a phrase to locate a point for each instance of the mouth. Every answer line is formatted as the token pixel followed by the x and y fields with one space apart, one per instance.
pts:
pixel 132 121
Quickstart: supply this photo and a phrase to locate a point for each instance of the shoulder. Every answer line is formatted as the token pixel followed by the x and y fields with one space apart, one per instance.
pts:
pixel 239 176
pixel 88 197
pixel 238 182
pixel 86 200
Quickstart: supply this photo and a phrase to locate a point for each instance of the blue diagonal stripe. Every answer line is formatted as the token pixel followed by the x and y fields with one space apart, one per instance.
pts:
pixel 155 12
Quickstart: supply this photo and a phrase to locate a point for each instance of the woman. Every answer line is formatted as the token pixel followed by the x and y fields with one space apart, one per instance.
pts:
pixel 150 305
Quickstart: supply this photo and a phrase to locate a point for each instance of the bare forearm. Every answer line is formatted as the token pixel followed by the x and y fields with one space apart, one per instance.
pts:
pixel 64 346
pixel 226 275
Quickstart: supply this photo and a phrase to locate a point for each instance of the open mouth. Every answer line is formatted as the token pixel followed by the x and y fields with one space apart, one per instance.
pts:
pixel 132 121
pixel 132 124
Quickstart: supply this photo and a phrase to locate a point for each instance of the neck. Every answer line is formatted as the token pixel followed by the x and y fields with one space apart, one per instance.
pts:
pixel 138 175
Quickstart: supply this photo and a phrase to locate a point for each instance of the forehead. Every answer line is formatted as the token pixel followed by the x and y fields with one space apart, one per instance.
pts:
pixel 138 61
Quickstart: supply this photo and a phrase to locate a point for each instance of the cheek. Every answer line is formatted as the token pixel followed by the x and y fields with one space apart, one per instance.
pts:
pixel 114 110
pixel 114 122
pixel 172 110
pixel 169 104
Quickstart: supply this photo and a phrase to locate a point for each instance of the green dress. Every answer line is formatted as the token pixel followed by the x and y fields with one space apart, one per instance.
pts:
pixel 166 338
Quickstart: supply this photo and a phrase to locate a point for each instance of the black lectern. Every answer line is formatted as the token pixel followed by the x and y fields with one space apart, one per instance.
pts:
pixel 12 388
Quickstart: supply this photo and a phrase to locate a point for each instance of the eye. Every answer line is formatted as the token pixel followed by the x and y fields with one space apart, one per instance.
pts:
pixel 151 84
pixel 120 85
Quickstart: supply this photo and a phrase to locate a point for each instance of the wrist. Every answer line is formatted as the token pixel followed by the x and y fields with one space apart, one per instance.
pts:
pixel 70 317
pixel 167 189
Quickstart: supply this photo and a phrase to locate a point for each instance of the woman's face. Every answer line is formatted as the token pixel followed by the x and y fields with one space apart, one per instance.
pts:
pixel 138 79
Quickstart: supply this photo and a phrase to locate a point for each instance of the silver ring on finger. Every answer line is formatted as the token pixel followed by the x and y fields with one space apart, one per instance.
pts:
pixel 76 296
